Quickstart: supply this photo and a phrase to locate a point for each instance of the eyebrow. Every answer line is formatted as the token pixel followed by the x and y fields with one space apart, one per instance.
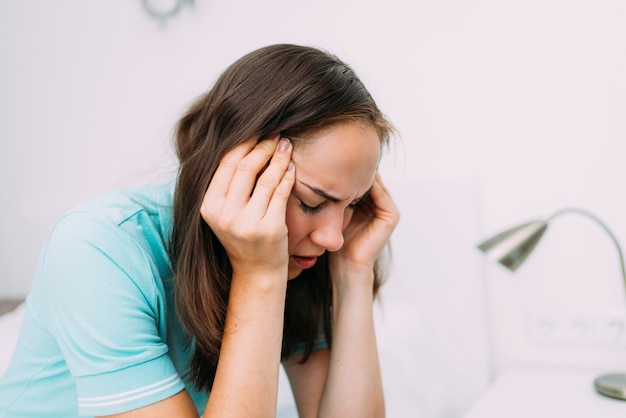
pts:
pixel 331 198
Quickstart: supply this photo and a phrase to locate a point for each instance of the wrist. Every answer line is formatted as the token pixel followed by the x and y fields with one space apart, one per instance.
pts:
pixel 256 300
pixel 353 282
pixel 260 282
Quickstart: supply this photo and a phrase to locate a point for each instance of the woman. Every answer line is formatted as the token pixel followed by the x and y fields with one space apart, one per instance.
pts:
pixel 263 251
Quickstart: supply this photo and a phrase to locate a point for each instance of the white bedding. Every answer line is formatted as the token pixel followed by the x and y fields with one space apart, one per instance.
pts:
pixel 9 330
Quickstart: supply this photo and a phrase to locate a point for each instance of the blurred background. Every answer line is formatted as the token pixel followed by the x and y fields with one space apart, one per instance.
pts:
pixel 525 99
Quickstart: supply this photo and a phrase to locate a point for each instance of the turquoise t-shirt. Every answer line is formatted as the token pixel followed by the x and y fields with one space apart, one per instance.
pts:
pixel 100 335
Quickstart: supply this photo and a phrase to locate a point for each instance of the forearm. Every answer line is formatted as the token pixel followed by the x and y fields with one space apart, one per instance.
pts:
pixel 354 383
pixel 246 382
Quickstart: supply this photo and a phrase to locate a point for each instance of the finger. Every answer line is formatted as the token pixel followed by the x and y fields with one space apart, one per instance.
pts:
pixel 383 202
pixel 278 204
pixel 222 178
pixel 272 176
pixel 247 172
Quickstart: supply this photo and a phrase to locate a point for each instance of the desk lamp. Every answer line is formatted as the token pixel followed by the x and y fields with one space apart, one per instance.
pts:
pixel 511 248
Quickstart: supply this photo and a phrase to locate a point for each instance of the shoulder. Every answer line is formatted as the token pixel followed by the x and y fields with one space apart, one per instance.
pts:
pixel 124 208
pixel 121 234
pixel 119 219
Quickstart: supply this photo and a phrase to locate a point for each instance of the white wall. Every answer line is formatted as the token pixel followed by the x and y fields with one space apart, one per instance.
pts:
pixel 527 96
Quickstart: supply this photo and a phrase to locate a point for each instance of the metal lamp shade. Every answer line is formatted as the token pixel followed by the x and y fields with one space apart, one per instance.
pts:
pixel 511 247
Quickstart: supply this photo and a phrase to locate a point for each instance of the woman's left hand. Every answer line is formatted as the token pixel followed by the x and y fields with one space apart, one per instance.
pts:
pixel 368 232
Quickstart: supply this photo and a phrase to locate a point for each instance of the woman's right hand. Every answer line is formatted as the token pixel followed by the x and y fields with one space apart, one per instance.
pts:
pixel 245 206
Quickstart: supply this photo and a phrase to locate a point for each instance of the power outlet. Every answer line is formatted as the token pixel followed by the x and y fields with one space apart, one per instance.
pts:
pixel 597 329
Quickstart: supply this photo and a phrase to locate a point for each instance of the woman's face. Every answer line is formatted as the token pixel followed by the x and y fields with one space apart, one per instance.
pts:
pixel 334 169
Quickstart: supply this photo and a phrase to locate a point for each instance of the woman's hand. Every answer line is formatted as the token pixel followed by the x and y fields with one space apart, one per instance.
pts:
pixel 368 232
pixel 353 384
pixel 245 206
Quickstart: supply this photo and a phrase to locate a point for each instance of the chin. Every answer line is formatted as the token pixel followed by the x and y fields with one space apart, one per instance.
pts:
pixel 294 273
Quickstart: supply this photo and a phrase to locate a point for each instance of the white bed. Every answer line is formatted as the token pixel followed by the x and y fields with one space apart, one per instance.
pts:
pixel 431 323
pixel 9 330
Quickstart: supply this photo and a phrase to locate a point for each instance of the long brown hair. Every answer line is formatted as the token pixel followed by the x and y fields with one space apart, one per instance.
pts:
pixel 287 89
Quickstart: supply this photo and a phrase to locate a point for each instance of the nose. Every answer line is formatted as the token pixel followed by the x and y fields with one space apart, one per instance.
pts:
pixel 328 231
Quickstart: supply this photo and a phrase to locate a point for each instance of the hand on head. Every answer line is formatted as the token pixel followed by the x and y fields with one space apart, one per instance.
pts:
pixel 369 230
pixel 245 205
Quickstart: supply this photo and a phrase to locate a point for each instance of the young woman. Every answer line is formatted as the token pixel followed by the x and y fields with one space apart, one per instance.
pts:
pixel 183 299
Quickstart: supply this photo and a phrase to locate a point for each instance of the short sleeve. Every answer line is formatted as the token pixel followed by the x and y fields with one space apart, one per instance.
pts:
pixel 104 304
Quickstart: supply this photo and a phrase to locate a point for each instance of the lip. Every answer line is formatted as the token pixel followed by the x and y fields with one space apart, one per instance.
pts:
pixel 304 262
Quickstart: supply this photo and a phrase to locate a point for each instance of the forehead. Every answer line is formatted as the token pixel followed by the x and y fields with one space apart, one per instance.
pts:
pixel 340 160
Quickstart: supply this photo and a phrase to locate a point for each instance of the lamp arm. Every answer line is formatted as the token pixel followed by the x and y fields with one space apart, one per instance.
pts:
pixel 604 226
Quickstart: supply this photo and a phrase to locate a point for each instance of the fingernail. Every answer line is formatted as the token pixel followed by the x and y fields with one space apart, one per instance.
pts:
pixel 290 166
pixel 283 145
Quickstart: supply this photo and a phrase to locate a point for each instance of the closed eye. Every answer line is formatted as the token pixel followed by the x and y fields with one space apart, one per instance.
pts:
pixel 311 210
